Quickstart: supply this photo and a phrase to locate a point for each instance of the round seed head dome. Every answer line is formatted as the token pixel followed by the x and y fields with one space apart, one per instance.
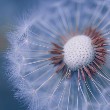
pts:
pixel 78 51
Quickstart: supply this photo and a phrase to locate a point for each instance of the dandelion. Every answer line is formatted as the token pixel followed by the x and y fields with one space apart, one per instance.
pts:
pixel 60 58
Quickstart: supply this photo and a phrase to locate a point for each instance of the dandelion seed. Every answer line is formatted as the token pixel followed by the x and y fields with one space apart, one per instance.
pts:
pixel 62 60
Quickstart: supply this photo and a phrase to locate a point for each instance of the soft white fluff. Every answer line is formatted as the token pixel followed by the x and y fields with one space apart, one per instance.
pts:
pixel 32 74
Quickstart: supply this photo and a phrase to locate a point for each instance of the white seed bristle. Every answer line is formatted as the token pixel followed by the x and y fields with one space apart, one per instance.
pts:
pixel 78 52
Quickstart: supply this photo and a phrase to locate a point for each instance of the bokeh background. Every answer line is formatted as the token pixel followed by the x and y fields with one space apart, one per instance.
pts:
pixel 9 11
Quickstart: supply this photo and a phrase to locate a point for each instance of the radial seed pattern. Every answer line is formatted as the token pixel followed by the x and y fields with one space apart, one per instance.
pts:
pixel 60 60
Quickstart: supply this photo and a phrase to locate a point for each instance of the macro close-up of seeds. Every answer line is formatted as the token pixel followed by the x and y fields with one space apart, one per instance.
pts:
pixel 60 56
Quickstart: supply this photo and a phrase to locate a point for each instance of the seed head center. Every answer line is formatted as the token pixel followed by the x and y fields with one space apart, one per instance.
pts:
pixel 78 52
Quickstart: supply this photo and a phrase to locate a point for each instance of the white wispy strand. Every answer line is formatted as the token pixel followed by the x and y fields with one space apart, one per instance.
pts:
pixel 33 75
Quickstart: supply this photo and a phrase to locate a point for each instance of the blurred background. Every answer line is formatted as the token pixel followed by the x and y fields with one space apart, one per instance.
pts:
pixel 9 10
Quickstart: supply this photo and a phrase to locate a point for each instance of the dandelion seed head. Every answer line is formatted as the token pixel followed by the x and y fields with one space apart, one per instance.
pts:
pixel 78 51
pixel 60 56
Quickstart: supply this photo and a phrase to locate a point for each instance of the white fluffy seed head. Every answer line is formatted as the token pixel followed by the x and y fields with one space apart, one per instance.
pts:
pixel 78 52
